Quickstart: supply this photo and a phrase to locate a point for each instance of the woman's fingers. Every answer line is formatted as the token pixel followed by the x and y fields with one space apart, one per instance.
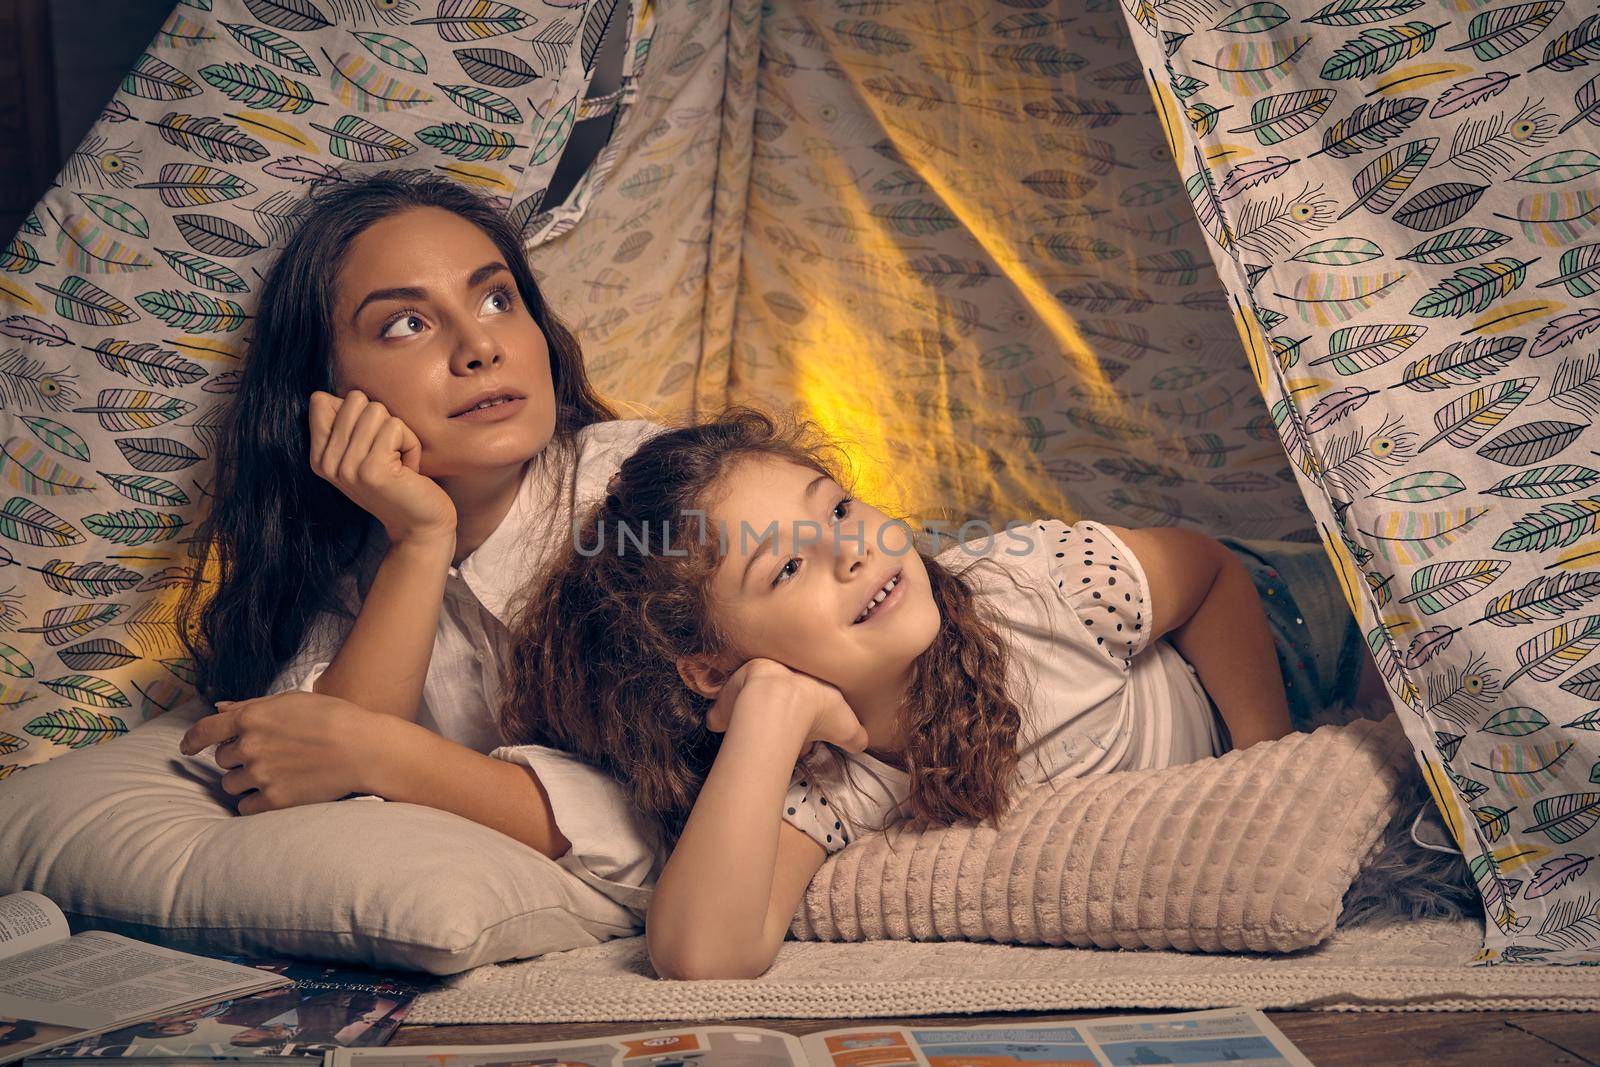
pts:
pixel 239 781
pixel 339 435
pixel 363 437
pixel 211 730
pixel 227 755
pixel 392 440
pixel 255 803
pixel 323 408
pixel 410 447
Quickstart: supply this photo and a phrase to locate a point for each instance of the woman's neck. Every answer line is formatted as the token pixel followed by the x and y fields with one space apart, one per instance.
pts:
pixel 482 503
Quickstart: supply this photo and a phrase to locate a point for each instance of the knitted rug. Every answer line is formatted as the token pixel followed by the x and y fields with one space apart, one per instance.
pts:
pixel 1419 966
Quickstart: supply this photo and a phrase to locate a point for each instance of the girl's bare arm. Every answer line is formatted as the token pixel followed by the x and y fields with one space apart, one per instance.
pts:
pixel 726 897
pixel 1201 597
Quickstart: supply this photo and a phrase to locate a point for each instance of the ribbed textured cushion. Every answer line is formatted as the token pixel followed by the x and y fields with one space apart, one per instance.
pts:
pixel 1249 852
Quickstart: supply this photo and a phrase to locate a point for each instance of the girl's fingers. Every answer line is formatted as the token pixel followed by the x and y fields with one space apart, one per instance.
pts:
pixel 858 741
pixel 227 755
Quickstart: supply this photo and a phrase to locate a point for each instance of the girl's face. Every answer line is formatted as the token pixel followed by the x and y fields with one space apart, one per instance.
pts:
pixel 803 560
pixel 427 321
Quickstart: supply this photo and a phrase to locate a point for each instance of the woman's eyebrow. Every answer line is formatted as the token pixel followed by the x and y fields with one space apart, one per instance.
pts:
pixel 485 272
pixel 477 278
pixel 403 293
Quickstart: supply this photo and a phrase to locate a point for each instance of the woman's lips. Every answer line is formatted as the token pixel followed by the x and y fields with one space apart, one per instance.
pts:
pixel 494 412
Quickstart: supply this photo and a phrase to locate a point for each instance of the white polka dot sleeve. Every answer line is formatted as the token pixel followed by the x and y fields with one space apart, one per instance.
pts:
pixel 808 810
pixel 1104 584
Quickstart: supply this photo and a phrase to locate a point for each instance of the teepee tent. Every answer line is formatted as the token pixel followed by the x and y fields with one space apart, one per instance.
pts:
pixel 1293 270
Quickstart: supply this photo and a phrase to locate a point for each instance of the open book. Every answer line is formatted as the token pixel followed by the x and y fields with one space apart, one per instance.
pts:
pixel 56 987
pixel 1233 1036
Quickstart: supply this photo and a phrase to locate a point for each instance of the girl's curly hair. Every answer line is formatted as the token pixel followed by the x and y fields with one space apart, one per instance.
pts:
pixel 593 668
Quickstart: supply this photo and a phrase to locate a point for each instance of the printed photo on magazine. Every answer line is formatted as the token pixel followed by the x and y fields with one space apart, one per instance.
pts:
pixel 57 987
pixel 325 1008
pixel 1237 1037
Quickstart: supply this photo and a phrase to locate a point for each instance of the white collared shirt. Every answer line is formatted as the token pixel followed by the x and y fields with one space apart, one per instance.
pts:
pixel 610 849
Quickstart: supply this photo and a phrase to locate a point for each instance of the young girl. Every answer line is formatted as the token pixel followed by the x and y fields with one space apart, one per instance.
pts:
pixel 729 606
pixel 411 435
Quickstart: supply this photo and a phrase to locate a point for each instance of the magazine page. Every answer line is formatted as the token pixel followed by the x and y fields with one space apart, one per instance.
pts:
pixel 325 1007
pixel 1238 1037
pixel 28 920
pixel 66 989
pixel 1232 1036
pixel 689 1046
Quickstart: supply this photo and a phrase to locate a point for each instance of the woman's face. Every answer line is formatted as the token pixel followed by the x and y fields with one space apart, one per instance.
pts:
pixel 803 561
pixel 427 320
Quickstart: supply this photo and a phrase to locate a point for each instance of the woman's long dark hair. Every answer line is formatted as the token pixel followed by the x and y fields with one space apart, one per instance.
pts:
pixel 593 663
pixel 278 536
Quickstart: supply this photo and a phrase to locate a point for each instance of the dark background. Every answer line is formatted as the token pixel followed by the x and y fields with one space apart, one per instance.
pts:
pixel 60 61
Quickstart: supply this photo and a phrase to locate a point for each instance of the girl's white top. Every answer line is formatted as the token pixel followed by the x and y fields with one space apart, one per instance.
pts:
pixel 1096 694
pixel 610 850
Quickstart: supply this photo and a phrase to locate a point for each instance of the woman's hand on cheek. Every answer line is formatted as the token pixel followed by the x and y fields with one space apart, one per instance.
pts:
pixel 769 691
pixel 375 459
pixel 289 749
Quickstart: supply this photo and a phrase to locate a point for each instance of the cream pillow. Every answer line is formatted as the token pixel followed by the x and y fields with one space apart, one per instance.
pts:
pixel 136 838
pixel 1252 851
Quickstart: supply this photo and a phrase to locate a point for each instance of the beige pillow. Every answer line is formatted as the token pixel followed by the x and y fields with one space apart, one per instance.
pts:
pixel 1252 851
pixel 134 837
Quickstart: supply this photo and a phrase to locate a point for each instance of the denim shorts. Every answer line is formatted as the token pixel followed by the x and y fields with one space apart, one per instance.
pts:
pixel 1319 645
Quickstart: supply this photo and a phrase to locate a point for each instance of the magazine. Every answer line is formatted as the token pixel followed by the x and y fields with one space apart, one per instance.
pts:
pixel 326 1007
pixel 57 987
pixel 1238 1037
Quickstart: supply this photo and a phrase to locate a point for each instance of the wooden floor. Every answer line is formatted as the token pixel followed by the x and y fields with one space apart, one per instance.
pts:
pixel 1329 1039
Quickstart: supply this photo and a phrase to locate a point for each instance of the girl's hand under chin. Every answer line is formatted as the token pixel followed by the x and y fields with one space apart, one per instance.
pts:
pixel 375 459
pixel 292 748
pixel 771 692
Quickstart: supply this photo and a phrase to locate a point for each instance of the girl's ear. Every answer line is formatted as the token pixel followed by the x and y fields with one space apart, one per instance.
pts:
pixel 702 676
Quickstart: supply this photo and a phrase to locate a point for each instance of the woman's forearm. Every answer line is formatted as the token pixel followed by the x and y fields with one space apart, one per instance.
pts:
pixel 420 767
pixel 1228 642
pixel 384 661
pixel 708 916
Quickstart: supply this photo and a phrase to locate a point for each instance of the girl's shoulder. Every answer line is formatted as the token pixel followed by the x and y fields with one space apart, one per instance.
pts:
pixel 1081 566
pixel 1017 544
pixel 835 795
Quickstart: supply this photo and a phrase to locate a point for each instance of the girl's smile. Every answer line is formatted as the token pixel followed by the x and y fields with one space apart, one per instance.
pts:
pixel 832 588
pixel 882 601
